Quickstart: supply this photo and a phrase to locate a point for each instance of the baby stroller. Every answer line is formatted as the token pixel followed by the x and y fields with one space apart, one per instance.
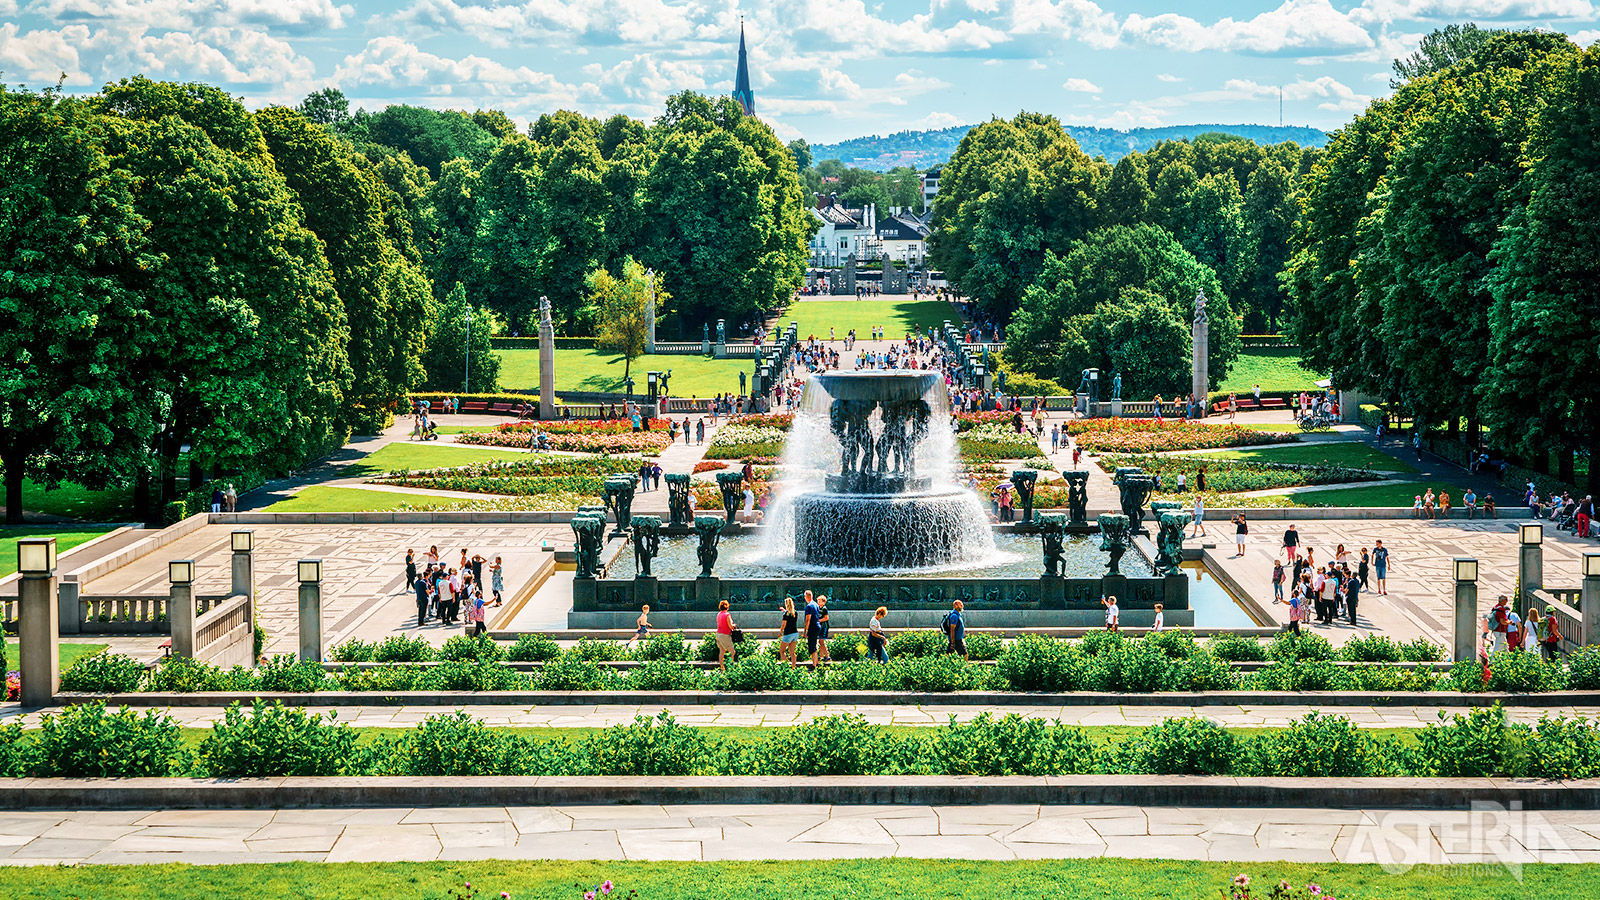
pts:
pixel 430 431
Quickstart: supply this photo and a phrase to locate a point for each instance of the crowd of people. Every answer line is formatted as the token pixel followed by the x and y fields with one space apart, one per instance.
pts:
pixel 1503 629
pixel 1569 514
pixel 446 593
pixel 1327 592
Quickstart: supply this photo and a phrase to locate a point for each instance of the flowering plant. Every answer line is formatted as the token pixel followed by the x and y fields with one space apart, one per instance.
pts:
pixel 1150 436
pixel 13 685
pixel 1239 889
pixel 603 889
pixel 780 421
pixel 579 426
pixel 467 892
pixel 709 465
pixel 966 421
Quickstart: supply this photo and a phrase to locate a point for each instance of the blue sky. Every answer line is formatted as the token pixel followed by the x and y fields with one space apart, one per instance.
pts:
pixel 822 69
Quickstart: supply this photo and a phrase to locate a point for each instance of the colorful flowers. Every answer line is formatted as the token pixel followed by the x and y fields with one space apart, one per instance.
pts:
pixel 1150 436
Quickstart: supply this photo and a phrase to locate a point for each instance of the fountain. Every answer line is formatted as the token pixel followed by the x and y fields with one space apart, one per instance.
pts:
pixel 887 496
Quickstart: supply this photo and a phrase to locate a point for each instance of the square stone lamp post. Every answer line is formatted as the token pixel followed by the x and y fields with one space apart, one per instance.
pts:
pixel 310 577
pixel 38 621
pixel 1530 562
pixel 1466 631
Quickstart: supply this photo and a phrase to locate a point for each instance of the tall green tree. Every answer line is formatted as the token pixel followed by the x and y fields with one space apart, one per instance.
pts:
pixel 431 137
pixel 622 310
pixel 72 323
pixel 1545 320
pixel 460 353
pixel 1439 50
pixel 1128 194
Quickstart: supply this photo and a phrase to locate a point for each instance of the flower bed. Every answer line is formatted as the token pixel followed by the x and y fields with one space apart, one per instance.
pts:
pixel 86 740
pixel 1231 476
pixel 1149 436
pixel 615 436
pixel 737 440
pixel 996 441
pixel 966 421
pixel 709 465
pixel 543 475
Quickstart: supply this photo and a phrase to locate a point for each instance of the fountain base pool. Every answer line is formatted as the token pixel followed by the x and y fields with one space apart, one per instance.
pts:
pixel 853 532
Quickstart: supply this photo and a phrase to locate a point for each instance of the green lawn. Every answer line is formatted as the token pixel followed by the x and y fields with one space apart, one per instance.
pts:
pixel 1277 427
pixel 1344 453
pixel 1378 495
pixel 66 656
pixel 591 370
pixel 77 502
pixel 414 455
pixel 864 879
pixel 67 537
pixel 1275 369
pixel 897 317
pixel 322 498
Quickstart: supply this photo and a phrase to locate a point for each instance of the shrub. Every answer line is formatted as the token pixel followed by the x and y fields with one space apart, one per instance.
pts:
pixel 85 741
pixel 533 648
pixel 1179 747
pixel 706 651
pixel 982 645
pixel 1236 648
pixel 922 642
pixel 379 678
pixel 600 651
pixel 1467 676
pixel 277 740
pixel 1141 667
pixel 399 648
pixel 286 673
pixel 830 745
pixel 935 674
pixel 1037 663
pixel 1562 748
pixel 664 645
pixel 463 675
pixel 1466 746
pixel 658 746
pixel 758 672
pixel 1421 650
pixel 1390 679
pixel 1203 672
pixel 1097 642
pixel 1305 645
pixel 258 640
pixel 1302 675
pixel 1317 746
pixel 571 672
pixel 182 675
pixel 847 648
pixel 352 651
pixel 466 648
pixel 1583 669
pixel 860 675
pixel 1523 673
pixel 1175 644
pixel 14 751
pixel 103 673
pixel 1011 745
pixel 1371 648
pixel 455 744
pixel 665 675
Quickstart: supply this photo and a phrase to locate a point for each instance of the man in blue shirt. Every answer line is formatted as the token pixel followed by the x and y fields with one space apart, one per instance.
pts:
pixel 421 587
pixel 813 626
pixel 955 630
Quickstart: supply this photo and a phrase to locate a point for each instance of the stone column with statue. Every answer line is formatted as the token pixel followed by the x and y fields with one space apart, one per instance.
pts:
pixel 547 362
pixel 1202 351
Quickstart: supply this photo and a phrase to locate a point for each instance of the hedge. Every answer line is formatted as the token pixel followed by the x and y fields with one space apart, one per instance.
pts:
pixel 270 740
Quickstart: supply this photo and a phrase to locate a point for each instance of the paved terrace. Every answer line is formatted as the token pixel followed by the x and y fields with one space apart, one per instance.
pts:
pixel 752 832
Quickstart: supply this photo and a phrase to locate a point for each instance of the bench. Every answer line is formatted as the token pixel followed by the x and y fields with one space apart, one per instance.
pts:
pixel 475 406
pixel 502 407
pixel 1274 403
pixel 1247 404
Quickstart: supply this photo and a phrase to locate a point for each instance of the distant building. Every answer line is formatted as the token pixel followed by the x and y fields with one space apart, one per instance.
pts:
pixel 930 187
pixel 842 231
pixel 741 82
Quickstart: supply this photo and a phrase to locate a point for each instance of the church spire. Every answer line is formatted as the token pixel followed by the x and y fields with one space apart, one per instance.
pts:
pixel 741 82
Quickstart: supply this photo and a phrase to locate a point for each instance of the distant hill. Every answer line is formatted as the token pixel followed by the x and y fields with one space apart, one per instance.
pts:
pixel 921 149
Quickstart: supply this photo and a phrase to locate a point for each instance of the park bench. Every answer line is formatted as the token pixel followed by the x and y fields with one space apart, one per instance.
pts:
pixel 502 408
pixel 1274 403
pixel 1248 404
pixel 475 406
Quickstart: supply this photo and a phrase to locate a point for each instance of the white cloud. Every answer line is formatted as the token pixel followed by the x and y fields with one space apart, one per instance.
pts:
pixel 229 55
pixel 559 22
pixel 391 62
pixel 8 7
pixel 1585 38
pixel 1335 95
pixel 937 120
pixel 38 55
pixel 1079 20
pixel 1080 86
pixel 1168 78
pixel 186 15
pixel 641 84
pixel 1384 11
pixel 1298 26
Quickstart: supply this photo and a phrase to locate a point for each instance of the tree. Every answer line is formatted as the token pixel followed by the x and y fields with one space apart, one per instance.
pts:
pixel 1128 194
pixel 622 310
pixel 801 151
pixel 326 107
pixel 460 354
pixel 431 137
pixel 1101 293
pixel 1269 213
pixel 1545 319
pixel 1439 50
pixel 73 328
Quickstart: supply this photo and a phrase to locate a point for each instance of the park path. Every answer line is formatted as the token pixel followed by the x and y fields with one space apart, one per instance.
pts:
pixel 795 831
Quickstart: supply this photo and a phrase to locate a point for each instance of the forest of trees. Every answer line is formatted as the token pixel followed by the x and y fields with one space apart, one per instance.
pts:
pixel 193 288
pixel 1094 265
pixel 1445 258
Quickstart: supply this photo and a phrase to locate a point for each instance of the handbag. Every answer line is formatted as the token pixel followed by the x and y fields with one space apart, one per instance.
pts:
pixel 738 635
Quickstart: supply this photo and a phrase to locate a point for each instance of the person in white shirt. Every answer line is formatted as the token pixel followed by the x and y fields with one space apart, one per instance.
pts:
pixel 1112 612
pixel 1161 620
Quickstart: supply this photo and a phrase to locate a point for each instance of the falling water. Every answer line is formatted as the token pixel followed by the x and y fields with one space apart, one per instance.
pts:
pixel 890 501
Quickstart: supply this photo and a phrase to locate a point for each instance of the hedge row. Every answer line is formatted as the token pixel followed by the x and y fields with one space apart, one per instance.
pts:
pixel 273 740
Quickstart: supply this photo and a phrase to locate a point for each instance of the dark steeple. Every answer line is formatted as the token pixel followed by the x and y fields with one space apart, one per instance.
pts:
pixel 741 82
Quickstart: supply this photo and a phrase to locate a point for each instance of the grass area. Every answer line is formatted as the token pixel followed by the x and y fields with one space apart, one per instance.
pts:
pixel 592 370
pixel 67 537
pixel 1275 427
pixel 1345 453
pixel 863 879
pixel 75 501
pixel 66 656
pixel 1378 495
pixel 322 498
pixel 465 429
pixel 897 317
pixel 413 455
pixel 1274 368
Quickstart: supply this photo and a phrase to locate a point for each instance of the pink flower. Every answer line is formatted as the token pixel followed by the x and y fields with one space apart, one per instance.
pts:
pixel 606 887
pixel 1241 880
pixel 505 895
pixel 588 895
pixel 1313 888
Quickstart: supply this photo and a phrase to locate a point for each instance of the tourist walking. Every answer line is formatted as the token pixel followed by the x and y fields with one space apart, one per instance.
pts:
pixel 1291 544
pixel 877 644
pixel 1550 634
pixel 1277 581
pixel 1199 514
pixel 1161 618
pixel 1380 565
pixel 788 633
pixel 1113 612
pixel 813 628
pixel 725 629
pixel 954 627
pixel 1362 569
pixel 424 593
pixel 475 611
pixel 1241 530
pixel 497 579
pixel 641 625
pixel 411 566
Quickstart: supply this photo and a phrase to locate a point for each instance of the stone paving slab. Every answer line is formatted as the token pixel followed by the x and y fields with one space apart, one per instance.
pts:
pixel 734 832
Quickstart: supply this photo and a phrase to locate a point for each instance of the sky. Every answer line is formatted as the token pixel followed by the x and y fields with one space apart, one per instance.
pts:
pixel 824 70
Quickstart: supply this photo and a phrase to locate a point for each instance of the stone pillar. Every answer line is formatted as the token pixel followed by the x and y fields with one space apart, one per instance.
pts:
pixel 547 363
pixel 69 593
pixel 1201 384
pixel 180 612
pixel 1468 636
pixel 39 634
pixel 311 613
pixel 650 316
pixel 1588 603
pixel 1530 573
pixel 244 581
